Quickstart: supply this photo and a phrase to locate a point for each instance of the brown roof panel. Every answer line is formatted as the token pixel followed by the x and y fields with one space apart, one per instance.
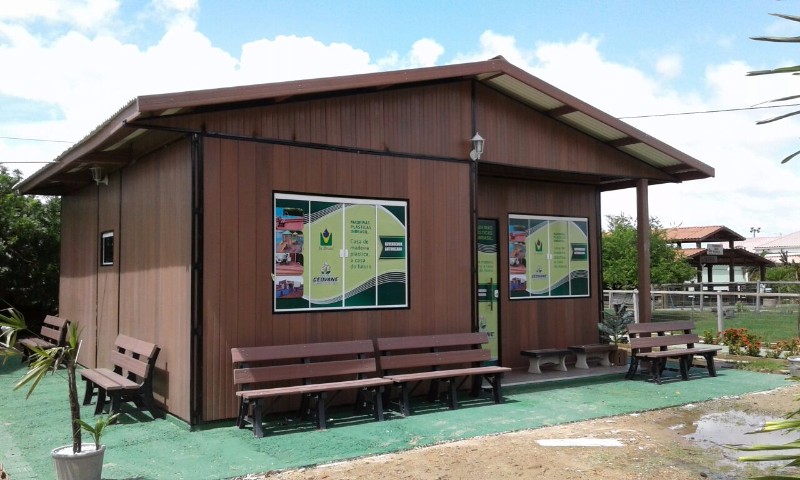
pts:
pixel 497 73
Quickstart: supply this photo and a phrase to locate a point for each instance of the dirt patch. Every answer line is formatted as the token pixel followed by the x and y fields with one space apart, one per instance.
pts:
pixel 654 445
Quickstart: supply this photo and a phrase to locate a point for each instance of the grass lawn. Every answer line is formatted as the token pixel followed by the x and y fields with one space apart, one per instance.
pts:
pixel 771 325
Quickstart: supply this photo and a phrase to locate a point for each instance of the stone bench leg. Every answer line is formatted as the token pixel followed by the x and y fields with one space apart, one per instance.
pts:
pixel 558 360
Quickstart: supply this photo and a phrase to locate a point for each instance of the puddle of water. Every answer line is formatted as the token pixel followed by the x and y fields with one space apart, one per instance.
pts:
pixel 732 428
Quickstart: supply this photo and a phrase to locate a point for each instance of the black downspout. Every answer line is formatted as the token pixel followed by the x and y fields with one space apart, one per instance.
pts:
pixel 473 220
pixel 196 363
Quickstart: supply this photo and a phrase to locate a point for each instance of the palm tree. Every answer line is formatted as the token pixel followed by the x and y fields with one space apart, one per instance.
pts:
pixel 794 70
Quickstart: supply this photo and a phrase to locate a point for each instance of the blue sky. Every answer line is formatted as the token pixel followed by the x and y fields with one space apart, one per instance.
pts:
pixel 70 64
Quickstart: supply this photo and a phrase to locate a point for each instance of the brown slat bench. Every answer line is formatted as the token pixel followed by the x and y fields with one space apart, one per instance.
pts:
pixel 594 351
pixel 542 356
pixel 658 341
pixel 428 355
pixel 319 368
pixel 53 334
pixel 129 380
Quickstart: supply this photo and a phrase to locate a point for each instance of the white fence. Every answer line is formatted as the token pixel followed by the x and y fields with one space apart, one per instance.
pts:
pixel 725 303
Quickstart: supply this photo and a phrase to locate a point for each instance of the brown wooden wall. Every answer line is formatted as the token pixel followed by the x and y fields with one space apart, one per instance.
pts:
pixel 238 255
pixel 155 260
pixel 77 299
pixel 542 323
pixel 146 293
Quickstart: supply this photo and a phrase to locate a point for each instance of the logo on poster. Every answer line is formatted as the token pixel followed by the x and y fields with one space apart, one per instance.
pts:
pixel 538 246
pixel 538 273
pixel 325 276
pixel 326 239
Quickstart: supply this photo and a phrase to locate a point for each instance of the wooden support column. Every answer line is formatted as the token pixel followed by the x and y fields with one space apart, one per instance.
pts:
pixel 643 248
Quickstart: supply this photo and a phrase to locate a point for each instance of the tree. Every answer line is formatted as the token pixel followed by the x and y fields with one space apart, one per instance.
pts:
pixel 29 249
pixel 794 70
pixel 620 256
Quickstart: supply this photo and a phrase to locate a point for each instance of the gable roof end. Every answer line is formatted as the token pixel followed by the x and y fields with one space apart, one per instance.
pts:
pixel 102 146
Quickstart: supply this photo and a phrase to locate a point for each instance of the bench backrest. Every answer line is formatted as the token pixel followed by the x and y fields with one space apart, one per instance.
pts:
pixel 660 335
pixel 432 351
pixel 303 362
pixel 54 330
pixel 134 358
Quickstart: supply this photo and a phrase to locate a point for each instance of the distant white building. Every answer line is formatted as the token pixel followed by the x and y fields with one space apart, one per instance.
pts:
pixel 774 248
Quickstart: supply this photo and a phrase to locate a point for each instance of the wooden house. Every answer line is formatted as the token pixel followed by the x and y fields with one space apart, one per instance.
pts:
pixel 398 222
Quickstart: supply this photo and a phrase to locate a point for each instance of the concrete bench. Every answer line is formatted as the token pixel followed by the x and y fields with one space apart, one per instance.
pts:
pixel 543 356
pixel 597 351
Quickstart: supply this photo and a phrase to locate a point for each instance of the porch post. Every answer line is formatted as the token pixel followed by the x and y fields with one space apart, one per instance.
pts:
pixel 643 248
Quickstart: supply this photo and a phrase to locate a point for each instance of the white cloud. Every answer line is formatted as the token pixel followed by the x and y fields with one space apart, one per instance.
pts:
pixel 83 14
pixel 292 57
pixel 669 66
pixel 425 52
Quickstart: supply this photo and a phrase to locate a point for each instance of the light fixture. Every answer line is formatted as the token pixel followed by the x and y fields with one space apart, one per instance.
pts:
pixel 97 175
pixel 477 147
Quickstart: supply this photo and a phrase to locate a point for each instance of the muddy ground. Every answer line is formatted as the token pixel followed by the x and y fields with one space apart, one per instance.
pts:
pixel 678 443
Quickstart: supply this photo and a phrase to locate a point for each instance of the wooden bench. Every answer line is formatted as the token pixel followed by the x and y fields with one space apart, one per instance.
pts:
pixel 428 354
pixel 542 356
pixel 53 334
pixel 595 351
pixel 658 341
pixel 319 368
pixel 129 380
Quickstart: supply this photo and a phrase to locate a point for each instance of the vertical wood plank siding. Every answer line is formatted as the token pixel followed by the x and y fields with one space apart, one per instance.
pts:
pixel 155 275
pixel 77 297
pixel 108 276
pixel 241 177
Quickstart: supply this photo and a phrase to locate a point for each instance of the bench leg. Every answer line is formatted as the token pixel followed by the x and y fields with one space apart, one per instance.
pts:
pixel 605 358
pixel 321 410
pixel 240 420
pixel 453 394
pixel 657 366
pixel 494 381
pixel 685 362
pixel 89 392
pixel 405 406
pixel 378 394
pixel 580 361
pixel 258 429
pixel 533 366
pixel 712 371
pixel 101 401
pixel 634 365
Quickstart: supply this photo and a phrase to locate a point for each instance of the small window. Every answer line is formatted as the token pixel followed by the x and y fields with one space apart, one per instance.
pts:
pixel 107 248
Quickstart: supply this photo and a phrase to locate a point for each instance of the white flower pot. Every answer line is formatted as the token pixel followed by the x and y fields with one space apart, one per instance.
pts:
pixel 794 366
pixel 86 465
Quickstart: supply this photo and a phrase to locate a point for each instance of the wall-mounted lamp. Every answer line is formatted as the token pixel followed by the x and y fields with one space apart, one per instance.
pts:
pixel 477 147
pixel 97 176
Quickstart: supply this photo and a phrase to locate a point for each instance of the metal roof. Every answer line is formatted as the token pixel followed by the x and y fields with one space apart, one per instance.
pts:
pixel 70 169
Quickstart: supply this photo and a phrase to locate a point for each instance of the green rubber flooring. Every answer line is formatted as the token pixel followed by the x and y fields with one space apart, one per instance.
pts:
pixel 139 447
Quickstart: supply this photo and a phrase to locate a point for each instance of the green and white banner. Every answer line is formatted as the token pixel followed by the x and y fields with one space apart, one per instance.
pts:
pixel 548 257
pixel 339 253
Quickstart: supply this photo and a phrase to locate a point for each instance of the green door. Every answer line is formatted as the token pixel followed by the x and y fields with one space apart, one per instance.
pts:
pixel 488 288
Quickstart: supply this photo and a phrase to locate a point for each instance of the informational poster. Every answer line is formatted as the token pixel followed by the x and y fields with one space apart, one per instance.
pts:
pixel 548 257
pixel 339 253
pixel 488 284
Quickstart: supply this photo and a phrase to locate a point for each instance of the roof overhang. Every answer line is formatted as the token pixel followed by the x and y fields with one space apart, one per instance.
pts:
pixel 111 145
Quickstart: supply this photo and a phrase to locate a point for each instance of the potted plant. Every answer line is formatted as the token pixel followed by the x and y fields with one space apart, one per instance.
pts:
pixel 613 328
pixel 79 460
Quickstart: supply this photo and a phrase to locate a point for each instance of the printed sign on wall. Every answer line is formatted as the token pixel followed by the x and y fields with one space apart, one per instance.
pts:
pixel 548 257
pixel 339 253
